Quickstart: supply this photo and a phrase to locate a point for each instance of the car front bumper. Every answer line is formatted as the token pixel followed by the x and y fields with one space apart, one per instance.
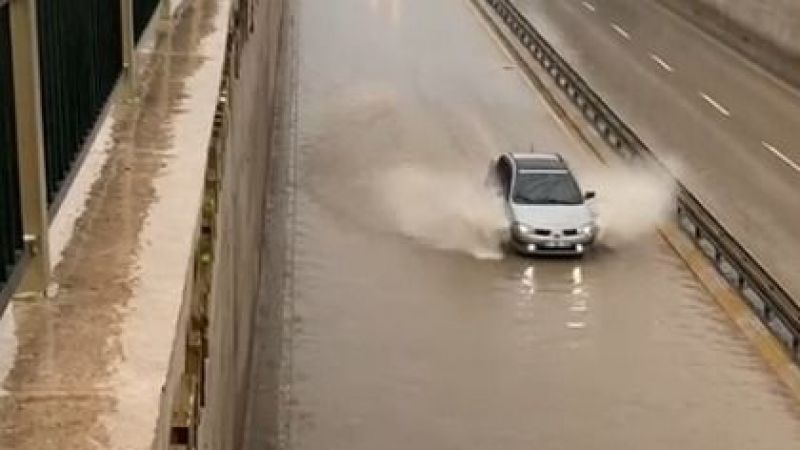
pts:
pixel 541 245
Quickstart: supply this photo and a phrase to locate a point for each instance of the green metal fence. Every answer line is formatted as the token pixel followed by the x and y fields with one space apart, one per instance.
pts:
pixel 10 214
pixel 143 11
pixel 80 61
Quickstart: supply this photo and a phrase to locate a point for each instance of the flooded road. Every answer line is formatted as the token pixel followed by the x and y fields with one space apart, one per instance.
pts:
pixel 409 333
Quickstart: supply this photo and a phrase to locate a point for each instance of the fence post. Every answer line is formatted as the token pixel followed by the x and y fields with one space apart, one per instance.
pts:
pixel 128 46
pixel 30 144
pixel 165 9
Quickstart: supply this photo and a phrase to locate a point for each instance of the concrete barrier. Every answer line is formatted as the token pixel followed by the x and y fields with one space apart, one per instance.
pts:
pixel 236 292
pixel 766 31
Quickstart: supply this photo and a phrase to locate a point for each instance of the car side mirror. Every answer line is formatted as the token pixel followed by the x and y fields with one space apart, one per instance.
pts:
pixel 590 195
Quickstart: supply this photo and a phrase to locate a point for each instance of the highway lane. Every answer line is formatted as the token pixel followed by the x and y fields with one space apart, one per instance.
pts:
pixel 398 337
pixel 728 129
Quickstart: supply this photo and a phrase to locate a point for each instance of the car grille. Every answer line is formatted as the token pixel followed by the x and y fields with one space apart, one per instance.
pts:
pixel 542 232
pixel 571 232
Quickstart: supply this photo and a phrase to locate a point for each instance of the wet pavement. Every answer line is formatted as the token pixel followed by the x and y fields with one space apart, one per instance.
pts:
pixel 400 337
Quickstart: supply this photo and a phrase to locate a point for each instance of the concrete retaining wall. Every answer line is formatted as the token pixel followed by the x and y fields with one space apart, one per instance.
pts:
pixel 766 31
pixel 777 21
pixel 254 45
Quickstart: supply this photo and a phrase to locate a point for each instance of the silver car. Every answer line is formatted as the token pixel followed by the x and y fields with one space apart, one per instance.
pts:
pixel 547 211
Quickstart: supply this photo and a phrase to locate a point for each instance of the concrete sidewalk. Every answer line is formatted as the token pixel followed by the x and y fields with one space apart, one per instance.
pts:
pixel 97 365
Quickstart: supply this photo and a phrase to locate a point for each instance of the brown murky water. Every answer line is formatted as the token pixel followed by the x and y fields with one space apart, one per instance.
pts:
pixel 402 339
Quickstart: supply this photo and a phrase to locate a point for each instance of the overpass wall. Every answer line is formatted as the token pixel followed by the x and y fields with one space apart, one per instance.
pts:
pixel 250 100
pixel 767 31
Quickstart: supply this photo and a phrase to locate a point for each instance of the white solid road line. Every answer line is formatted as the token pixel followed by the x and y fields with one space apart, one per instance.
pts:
pixel 715 104
pixel 621 31
pixel 589 6
pixel 782 157
pixel 661 62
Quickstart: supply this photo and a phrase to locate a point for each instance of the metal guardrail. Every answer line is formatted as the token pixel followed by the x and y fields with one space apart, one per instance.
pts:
pixel 10 208
pixel 772 304
pixel 59 64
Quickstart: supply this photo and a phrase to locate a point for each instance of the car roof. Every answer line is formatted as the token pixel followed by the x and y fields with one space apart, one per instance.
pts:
pixel 539 161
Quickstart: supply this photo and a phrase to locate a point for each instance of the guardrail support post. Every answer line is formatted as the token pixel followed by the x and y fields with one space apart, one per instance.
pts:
pixel 30 145
pixel 128 46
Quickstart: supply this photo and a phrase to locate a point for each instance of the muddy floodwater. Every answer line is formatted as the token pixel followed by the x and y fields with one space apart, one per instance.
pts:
pixel 409 330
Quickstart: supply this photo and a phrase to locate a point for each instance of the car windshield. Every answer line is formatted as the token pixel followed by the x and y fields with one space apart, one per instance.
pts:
pixel 546 188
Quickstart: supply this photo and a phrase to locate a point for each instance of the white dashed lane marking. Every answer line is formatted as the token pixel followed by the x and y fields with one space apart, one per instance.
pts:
pixel 781 156
pixel 589 6
pixel 664 65
pixel 722 110
pixel 621 31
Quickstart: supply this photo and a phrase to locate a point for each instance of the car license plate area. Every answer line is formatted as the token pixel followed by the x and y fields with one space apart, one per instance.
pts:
pixel 558 245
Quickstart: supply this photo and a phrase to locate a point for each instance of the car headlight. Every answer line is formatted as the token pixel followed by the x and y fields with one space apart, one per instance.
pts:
pixel 521 228
pixel 588 229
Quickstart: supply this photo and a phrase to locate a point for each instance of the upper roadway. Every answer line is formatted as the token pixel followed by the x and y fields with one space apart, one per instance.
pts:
pixel 728 129
pixel 392 343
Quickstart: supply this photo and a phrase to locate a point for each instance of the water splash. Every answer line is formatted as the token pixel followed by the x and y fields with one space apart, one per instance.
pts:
pixel 631 202
pixel 444 210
